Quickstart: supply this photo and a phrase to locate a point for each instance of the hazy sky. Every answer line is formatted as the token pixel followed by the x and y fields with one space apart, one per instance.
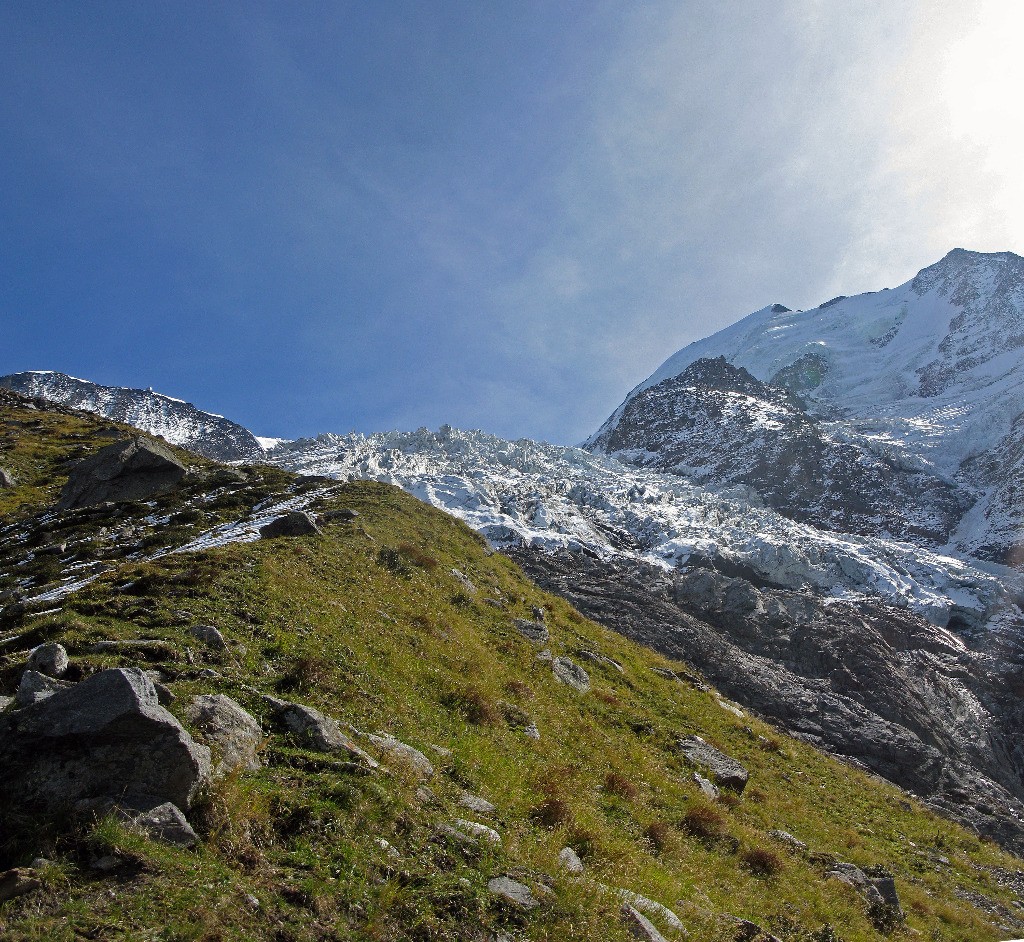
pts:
pixel 326 216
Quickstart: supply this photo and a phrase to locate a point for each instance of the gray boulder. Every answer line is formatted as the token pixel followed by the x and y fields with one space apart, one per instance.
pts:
pixel 316 730
pixel 135 469
pixel 396 750
pixel 571 674
pixel 294 523
pixel 726 772
pixel 229 729
pixel 35 687
pixel 639 925
pixel 6 478
pixel 343 514
pixel 570 861
pixel 476 803
pixel 211 636
pixel 107 737
pixel 464 581
pixel 534 631
pixel 50 659
pixel 165 823
pixel 512 891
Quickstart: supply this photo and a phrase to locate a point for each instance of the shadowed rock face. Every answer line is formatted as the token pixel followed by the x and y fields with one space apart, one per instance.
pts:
pixel 937 713
pixel 129 470
pixel 716 423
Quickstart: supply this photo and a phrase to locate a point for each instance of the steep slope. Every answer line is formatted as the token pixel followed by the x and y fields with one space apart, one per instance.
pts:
pixel 178 422
pixel 928 377
pixel 400 620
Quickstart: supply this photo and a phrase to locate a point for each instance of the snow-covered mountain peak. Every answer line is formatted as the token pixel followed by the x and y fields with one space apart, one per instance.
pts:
pixel 179 422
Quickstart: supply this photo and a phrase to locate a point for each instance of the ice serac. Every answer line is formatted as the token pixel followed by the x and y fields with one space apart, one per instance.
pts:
pixel 178 422
pixel 918 390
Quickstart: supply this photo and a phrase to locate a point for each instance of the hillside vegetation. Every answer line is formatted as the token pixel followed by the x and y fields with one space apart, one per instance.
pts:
pixel 401 622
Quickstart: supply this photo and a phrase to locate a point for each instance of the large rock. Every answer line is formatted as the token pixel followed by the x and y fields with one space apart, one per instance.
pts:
pixel 134 469
pixel 534 631
pixel 394 750
pixel 570 673
pixel 6 478
pixel 316 730
pixel 294 523
pixel 230 729
pixel 50 659
pixel 107 737
pixel 726 771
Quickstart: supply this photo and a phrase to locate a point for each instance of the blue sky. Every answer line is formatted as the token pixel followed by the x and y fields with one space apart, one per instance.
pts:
pixel 360 216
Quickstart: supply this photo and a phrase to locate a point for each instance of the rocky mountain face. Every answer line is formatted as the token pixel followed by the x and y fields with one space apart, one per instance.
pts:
pixel 178 422
pixel 909 408
pixel 716 424
pixel 939 713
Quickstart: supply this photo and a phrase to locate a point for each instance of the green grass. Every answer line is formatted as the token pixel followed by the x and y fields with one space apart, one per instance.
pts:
pixel 368 624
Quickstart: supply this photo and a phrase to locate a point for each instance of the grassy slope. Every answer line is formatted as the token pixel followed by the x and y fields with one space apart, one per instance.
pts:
pixel 292 852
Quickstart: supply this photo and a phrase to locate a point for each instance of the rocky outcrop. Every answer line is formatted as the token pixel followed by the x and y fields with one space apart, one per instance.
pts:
pixel 136 469
pixel 105 738
pixel 937 712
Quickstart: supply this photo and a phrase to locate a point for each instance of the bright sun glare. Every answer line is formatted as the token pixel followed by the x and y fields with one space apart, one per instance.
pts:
pixel 982 83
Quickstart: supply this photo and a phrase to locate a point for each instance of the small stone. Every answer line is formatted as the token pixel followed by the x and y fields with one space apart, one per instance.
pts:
pixel 639 925
pixel 294 523
pixel 35 687
pixel 530 731
pixel 707 786
pixel 727 772
pixel 50 659
pixel 211 636
pixel 41 863
pixel 571 674
pixel 395 749
pixel 570 861
pixel 512 891
pixel 17 882
pixel 464 581
pixel 6 478
pixel 5 702
pixel 534 631
pixel 167 824
pixel 784 837
pixel 476 803
pixel 478 831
